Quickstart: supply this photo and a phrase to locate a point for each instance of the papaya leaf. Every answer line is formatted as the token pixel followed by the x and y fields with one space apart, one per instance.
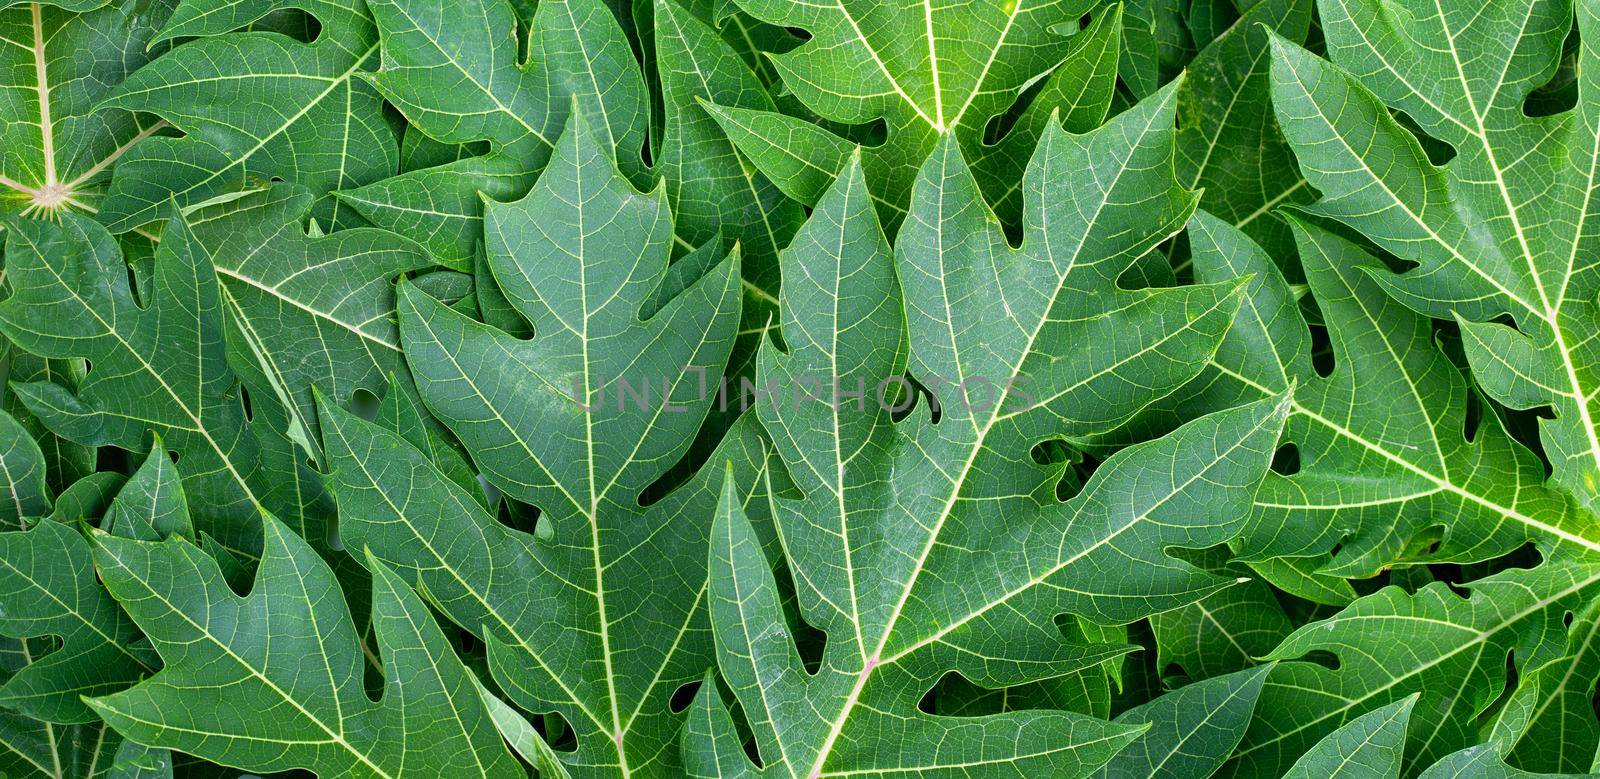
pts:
pixel 599 614
pixel 934 542
pixel 1501 230
pixel 57 143
pixel 290 648
pixel 155 364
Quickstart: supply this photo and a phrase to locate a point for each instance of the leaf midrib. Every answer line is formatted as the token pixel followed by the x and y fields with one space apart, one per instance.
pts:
pixel 38 585
pixel 1441 482
pixel 870 664
pixel 198 427
pixel 1480 637
pixel 337 737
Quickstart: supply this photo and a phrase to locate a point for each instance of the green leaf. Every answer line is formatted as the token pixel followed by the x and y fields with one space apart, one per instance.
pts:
pixel 23 493
pixel 598 614
pixel 1155 44
pixel 1087 691
pixel 306 310
pixel 712 191
pixel 137 761
pixel 456 73
pixel 522 737
pixel 925 70
pixel 57 144
pixel 1229 145
pixel 289 648
pixel 308 119
pixel 1368 747
pixel 1225 631
pixel 1191 730
pixel 795 739
pixel 65 462
pixel 88 497
pixel 1481 762
pixel 1383 441
pixel 1077 94
pixel 151 505
pixel 40 750
pixel 158 366
pixel 1451 648
pixel 398 414
pixel 48 586
pixel 920 546
pixel 1300 577
pixel 1549 723
pixel 803 158
pixel 1501 229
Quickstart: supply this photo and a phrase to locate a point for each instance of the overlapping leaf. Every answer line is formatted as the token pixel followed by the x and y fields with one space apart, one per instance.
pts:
pixel 23 493
pixel 1506 227
pixel 157 364
pixel 1192 730
pixel 454 70
pixel 306 310
pixel 57 144
pixel 272 681
pixel 599 614
pixel 1224 631
pixel 253 106
pixel 1385 452
pixel 1370 746
pixel 1229 144
pixel 922 69
pixel 1451 648
pixel 47 581
pixel 1548 723
pixel 66 638
pixel 963 558
pixel 65 462
pixel 1000 443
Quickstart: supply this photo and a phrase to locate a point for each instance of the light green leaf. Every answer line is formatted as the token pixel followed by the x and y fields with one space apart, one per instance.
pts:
pixel 522 737
pixel 1368 747
pixel 1191 730
pixel 137 761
